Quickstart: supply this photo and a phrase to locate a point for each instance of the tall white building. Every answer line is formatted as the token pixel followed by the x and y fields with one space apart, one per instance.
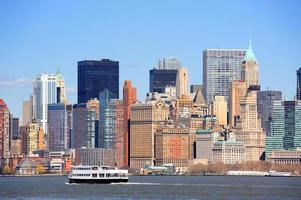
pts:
pixel 47 89
pixel 169 63
pixel 182 83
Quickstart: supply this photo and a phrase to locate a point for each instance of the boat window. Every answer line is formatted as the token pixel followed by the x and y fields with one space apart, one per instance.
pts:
pixel 94 168
pixel 94 175
pixel 101 175
pixel 108 175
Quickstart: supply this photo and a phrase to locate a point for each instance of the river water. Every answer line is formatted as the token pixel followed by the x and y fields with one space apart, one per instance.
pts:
pixel 153 187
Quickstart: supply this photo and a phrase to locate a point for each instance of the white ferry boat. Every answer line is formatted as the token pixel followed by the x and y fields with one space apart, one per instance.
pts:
pixel 274 173
pixel 97 174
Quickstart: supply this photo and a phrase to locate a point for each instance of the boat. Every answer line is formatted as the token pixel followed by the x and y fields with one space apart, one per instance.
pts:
pixel 275 173
pixel 97 174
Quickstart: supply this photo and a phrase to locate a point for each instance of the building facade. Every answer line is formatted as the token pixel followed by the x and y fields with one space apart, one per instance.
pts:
pixel 96 75
pixel 169 63
pixel 57 127
pixel 159 79
pixel 298 84
pixel 182 83
pixel 220 67
pixel 265 101
pixel 238 90
pixel 144 119
pixel 129 98
pixel 4 130
pixel 219 109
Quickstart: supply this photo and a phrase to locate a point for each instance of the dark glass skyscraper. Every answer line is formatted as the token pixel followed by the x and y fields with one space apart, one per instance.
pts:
pixel 57 128
pixel 265 101
pixel 299 84
pixel 160 78
pixel 96 75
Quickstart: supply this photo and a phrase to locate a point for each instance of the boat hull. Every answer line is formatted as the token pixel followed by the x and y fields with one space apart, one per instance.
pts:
pixel 97 181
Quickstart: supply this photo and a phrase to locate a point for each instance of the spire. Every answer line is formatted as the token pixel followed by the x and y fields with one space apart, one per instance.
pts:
pixel 58 73
pixel 250 56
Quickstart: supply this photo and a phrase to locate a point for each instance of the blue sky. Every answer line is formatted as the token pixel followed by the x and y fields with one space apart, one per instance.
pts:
pixel 41 36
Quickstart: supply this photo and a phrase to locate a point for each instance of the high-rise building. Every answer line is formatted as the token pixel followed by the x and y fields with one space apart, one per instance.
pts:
pixel 144 119
pixel 219 109
pixel 32 137
pixel 44 93
pixel 96 75
pixel 182 83
pixel 107 136
pixel 4 130
pixel 129 98
pixel 69 113
pixel 238 90
pixel 249 68
pixel 220 67
pixel 195 88
pixel 299 84
pixel 118 127
pixel 84 127
pixel 172 146
pixel 57 127
pixel 159 79
pixel 169 63
pixel 60 88
pixel 27 112
pixel 265 101
pixel 248 127
pixel 15 127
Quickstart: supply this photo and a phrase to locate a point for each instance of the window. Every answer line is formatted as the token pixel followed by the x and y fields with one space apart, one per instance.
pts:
pixel 94 175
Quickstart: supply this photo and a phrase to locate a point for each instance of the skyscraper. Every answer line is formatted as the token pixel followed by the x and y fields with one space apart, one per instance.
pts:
pixel 129 98
pixel 107 136
pixel 27 112
pixel 285 127
pixel 15 127
pixel 44 93
pixel 31 137
pixel 182 83
pixel 96 75
pixel 4 130
pixel 195 88
pixel 220 67
pixel 220 109
pixel 265 101
pixel 248 127
pixel 57 127
pixel 144 119
pixel 169 63
pixel 60 88
pixel 159 79
pixel 84 127
pixel 299 84
pixel 238 90
pixel 250 69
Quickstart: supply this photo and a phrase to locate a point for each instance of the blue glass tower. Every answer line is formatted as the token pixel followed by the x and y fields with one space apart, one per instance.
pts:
pixel 96 75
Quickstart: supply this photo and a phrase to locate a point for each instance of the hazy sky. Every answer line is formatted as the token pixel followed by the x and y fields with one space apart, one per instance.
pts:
pixel 40 36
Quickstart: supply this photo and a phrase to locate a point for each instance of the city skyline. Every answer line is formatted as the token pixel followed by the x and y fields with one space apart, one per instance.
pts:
pixel 40 43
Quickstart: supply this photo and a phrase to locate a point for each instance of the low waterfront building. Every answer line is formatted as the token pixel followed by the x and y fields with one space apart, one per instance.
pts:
pixel 285 157
pixel 228 152
pixel 27 167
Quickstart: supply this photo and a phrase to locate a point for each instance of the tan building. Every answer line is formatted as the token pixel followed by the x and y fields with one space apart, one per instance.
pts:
pixel 249 68
pixel 16 147
pixel 27 112
pixel 4 130
pixel 219 109
pixel 93 104
pixel 228 152
pixel 32 137
pixel 238 90
pixel 182 83
pixel 286 157
pixel 173 146
pixel 41 143
pixel 145 117
pixel 248 129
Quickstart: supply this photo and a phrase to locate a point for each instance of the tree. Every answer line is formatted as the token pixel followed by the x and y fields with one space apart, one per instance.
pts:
pixel 40 169
pixel 6 170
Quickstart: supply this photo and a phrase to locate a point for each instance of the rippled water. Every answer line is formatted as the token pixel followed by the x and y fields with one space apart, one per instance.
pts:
pixel 154 187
